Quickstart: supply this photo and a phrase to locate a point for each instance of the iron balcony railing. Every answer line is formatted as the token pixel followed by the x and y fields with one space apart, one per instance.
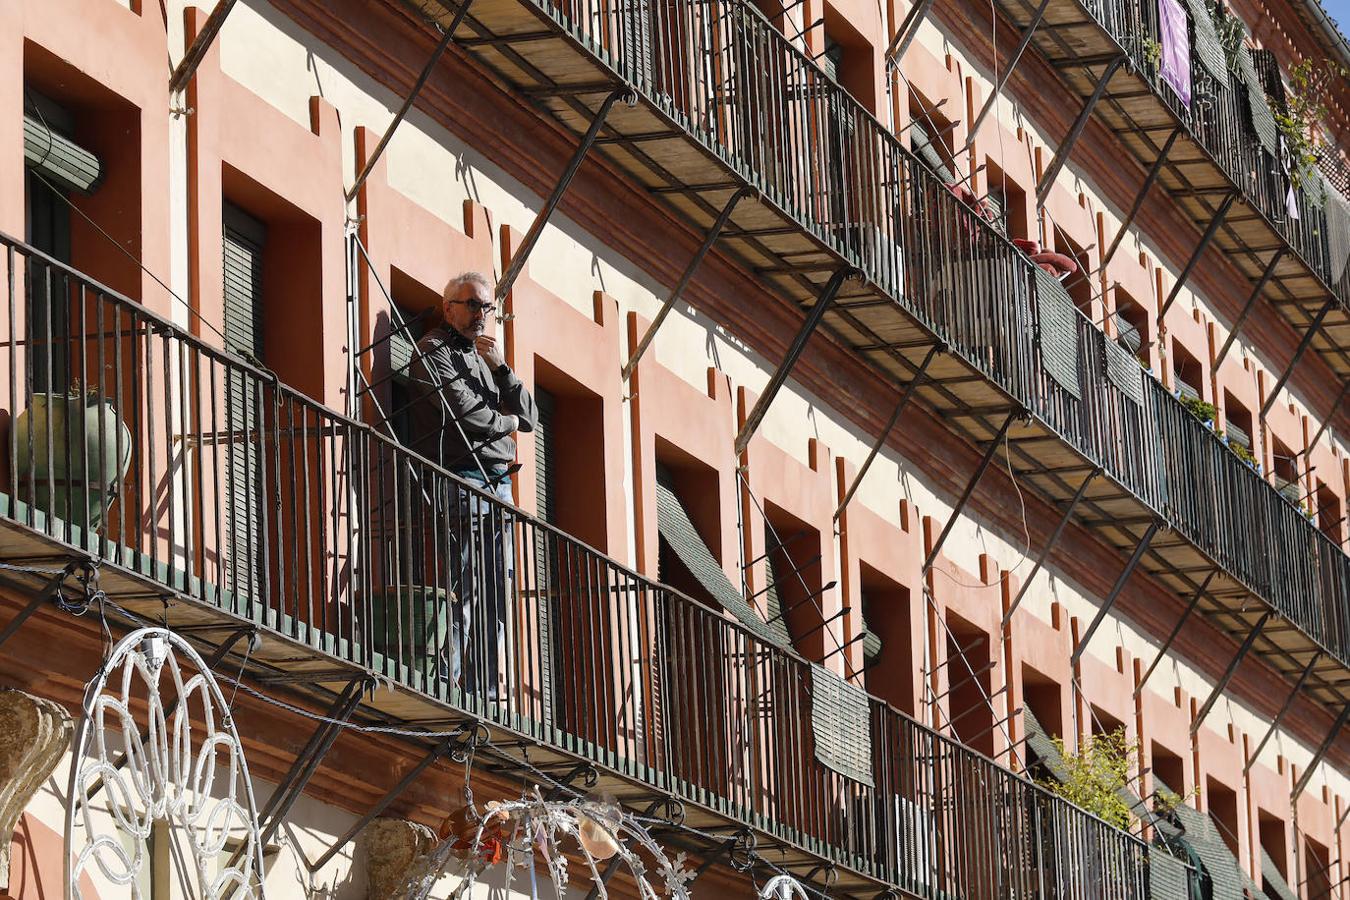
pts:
pixel 1219 119
pixel 769 113
pixel 143 446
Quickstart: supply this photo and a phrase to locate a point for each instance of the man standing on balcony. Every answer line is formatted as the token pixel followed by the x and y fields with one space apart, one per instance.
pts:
pixel 467 404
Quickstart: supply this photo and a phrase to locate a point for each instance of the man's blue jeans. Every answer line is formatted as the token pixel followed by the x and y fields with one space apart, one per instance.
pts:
pixel 485 539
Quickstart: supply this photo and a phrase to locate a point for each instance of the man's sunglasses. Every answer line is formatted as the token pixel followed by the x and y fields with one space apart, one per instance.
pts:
pixel 486 309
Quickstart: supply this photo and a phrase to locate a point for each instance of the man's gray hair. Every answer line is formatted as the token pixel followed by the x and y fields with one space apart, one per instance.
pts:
pixel 454 284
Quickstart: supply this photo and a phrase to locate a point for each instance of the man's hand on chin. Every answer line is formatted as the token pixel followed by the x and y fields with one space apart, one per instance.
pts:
pixel 488 349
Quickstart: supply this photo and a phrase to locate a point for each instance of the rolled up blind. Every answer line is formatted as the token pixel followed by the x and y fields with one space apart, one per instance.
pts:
pixel 58 158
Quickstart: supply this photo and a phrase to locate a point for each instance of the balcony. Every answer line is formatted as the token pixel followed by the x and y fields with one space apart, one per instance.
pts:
pixel 724 102
pixel 1219 143
pixel 243 502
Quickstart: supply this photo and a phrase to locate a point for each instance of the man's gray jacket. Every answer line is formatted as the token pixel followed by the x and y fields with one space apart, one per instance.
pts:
pixel 451 382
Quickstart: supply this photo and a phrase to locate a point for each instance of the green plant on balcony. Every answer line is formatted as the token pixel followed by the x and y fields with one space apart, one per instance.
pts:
pixel 1097 775
pixel 1242 452
pixel 1151 51
pixel 1203 411
pixel 1304 108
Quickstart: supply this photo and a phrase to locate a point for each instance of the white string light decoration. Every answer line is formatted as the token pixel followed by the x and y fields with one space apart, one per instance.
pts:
pixel 156 744
pixel 536 832
pixel 783 887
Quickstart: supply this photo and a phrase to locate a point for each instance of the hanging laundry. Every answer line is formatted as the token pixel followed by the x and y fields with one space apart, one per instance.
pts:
pixel 1175 65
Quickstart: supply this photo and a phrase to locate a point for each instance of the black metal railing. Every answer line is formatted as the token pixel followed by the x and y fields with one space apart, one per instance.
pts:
pixel 728 76
pixel 203 472
pixel 1218 119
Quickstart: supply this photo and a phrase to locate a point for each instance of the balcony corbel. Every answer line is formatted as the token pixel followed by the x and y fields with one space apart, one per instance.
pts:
pixel 1050 545
pixel 1176 631
pixel 1320 755
pixel 983 467
pixel 1149 181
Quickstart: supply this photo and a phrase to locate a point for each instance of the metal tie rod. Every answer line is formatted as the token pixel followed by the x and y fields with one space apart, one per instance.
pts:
pixel 1027 34
pixel 1214 225
pixel 920 377
pixel 1154 171
pixel 709 239
pixel 441 749
pixel 970 489
pixel 49 590
pixel 1115 591
pixel 1229 672
pixel 187 66
pixel 1176 630
pixel 907 31
pixel 1321 752
pixel 409 100
pixel 794 352
pixel 1247 309
pixel 522 253
pixel 1049 545
pixel 1284 710
pixel 1066 148
pixel 1303 346
pixel 1331 414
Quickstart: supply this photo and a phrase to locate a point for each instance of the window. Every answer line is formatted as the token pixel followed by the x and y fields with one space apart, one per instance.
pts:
pixel 1273 846
pixel 1008 201
pixel 1169 772
pixel 1042 700
pixel 55 167
pixel 968 669
pixel 1237 422
pixel 930 136
pixel 1079 283
pixel 1188 371
pixel 887 652
pixel 1223 809
pixel 1132 325
pixel 1329 517
pixel 244 238
pixel 1285 468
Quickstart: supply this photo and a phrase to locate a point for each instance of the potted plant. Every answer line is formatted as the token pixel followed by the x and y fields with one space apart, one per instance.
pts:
pixel 73 453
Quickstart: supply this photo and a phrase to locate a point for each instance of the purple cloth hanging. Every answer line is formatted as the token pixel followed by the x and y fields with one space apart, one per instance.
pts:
pixel 1175 66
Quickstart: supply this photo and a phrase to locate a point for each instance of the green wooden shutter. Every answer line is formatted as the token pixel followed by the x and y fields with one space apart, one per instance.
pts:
pixel 545 565
pixel 48 230
pixel 243 259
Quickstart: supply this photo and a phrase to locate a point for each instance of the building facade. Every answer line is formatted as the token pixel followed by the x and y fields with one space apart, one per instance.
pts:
pixel 927 392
